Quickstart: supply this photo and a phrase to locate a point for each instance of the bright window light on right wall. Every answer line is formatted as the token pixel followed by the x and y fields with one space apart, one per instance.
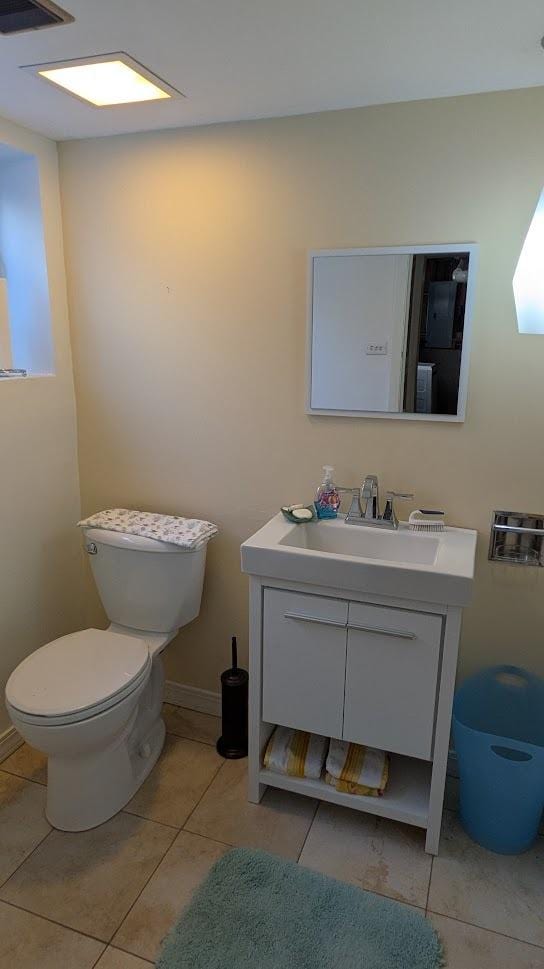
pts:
pixel 529 276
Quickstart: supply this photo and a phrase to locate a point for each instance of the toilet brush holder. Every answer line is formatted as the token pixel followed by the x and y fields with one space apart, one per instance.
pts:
pixel 232 743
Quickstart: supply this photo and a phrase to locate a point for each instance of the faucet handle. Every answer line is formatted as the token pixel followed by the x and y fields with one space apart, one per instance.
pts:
pixel 389 511
pixel 355 510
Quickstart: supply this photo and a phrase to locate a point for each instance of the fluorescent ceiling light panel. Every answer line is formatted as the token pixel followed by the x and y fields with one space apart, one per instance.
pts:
pixel 106 80
pixel 529 276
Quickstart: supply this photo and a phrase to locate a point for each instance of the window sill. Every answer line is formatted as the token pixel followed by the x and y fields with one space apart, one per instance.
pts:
pixel 29 376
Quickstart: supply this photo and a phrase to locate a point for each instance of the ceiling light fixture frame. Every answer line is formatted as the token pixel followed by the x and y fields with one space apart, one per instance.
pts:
pixel 118 55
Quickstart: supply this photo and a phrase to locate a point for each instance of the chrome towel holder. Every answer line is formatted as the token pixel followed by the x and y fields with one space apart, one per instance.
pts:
pixel 517 538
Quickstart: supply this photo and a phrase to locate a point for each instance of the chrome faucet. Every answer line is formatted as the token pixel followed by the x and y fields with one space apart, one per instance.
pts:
pixel 365 505
pixel 371 495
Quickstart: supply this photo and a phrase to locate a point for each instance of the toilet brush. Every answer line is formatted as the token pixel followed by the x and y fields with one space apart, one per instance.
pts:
pixel 232 743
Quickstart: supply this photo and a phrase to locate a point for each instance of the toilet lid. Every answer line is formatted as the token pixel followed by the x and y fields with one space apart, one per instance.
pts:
pixel 77 672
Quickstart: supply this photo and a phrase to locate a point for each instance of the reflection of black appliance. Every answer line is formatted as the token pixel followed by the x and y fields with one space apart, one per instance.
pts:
pixel 440 314
pixel 426 388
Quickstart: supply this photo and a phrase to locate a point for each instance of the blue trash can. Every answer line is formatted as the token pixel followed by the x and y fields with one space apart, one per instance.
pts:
pixel 498 729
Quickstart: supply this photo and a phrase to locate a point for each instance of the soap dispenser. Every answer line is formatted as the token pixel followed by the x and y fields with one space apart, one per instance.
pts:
pixel 327 498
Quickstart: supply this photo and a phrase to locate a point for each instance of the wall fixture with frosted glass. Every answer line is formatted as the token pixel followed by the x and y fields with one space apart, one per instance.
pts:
pixel 529 277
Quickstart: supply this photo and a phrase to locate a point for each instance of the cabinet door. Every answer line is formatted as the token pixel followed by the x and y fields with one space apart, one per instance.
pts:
pixel 393 660
pixel 304 661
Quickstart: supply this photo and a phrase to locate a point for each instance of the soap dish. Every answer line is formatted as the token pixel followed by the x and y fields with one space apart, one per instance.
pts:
pixel 299 514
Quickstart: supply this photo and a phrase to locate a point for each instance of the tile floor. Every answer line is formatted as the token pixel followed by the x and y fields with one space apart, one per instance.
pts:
pixel 105 898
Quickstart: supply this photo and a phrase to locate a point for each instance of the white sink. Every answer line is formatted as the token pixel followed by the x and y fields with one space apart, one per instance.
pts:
pixel 368 543
pixel 432 567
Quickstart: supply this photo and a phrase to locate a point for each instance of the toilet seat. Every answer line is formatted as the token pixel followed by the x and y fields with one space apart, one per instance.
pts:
pixel 78 676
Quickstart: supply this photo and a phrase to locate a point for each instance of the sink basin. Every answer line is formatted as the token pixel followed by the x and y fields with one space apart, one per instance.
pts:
pixel 369 543
pixel 435 567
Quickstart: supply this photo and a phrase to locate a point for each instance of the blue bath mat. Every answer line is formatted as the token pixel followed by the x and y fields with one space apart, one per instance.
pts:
pixel 256 911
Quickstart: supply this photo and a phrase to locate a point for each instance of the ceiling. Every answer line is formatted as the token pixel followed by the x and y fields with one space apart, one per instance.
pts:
pixel 238 59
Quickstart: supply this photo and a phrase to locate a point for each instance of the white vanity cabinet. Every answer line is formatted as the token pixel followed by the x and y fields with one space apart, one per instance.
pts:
pixel 354 634
pixel 367 669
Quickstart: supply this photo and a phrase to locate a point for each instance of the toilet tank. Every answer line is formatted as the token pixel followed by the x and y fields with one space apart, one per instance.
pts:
pixel 143 583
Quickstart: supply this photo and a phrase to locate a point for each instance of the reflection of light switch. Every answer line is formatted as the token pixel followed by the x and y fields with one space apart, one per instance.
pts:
pixel 375 349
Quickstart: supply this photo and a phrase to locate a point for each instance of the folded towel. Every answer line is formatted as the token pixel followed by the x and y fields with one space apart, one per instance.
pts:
pixel 188 533
pixel 355 769
pixel 296 753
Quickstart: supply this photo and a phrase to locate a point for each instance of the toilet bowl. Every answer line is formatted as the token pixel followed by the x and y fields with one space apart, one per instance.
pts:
pixel 92 700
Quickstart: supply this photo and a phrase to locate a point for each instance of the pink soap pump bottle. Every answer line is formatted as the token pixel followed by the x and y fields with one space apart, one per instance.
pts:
pixel 327 498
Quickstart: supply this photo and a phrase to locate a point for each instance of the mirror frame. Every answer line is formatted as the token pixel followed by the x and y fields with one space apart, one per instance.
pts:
pixel 472 248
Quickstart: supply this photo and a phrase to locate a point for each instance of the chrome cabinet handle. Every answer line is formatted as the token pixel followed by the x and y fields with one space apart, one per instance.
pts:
pixel 383 631
pixel 321 622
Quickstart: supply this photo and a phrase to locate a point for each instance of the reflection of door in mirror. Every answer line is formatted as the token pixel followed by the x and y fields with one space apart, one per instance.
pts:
pixel 360 310
pixel 435 332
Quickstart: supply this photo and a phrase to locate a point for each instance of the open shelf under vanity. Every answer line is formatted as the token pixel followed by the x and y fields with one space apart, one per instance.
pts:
pixel 406 797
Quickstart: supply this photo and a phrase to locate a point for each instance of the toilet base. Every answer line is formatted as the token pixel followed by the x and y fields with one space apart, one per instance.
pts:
pixel 83 792
pixel 90 782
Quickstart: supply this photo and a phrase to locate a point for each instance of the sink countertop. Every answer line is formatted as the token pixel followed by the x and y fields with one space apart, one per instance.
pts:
pixel 434 567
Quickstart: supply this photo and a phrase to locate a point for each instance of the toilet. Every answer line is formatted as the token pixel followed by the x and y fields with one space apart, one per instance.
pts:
pixel 92 701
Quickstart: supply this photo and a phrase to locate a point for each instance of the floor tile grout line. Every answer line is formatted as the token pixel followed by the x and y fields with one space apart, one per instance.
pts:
pixel 197 740
pixel 187 819
pixel 144 817
pixel 167 824
pixel 190 740
pixel 484 928
pixel 25 859
pixel 22 777
pixel 94 965
pixel 307 835
pixel 171 827
pixel 117 948
pixel 390 898
pixel 70 927
pixel 127 913
pixel 130 952
pixel 62 925
pixel 215 841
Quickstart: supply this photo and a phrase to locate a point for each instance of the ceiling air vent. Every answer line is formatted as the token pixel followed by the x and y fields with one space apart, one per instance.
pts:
pixel 18 15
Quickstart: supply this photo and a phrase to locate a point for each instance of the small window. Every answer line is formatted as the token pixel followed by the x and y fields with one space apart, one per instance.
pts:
pixel 25 317
pixel 5 342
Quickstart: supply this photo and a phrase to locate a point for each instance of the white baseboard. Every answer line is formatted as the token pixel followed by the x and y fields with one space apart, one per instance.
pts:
pixel 191 697
pixel 9 741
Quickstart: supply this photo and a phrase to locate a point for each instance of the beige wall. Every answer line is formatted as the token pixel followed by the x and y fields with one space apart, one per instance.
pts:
pixel 187 283
pixel 40 560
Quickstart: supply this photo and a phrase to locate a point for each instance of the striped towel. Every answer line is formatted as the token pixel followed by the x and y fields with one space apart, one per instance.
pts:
pixel 355 769
pixel 296 753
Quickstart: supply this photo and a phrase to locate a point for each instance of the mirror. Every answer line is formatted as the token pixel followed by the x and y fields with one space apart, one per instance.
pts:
pixel 389 331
